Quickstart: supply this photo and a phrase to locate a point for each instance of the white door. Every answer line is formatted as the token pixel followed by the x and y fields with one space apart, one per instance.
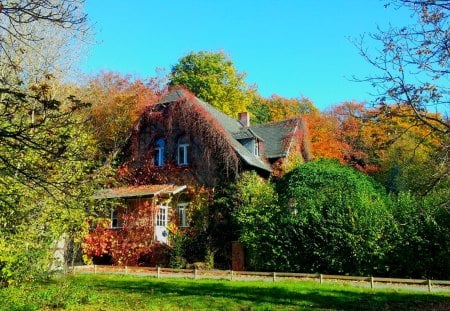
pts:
pixel 162 221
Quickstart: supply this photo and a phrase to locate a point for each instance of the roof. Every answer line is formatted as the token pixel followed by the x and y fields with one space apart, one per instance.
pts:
pixel 138 191
pixel 277 136
pixel 232 127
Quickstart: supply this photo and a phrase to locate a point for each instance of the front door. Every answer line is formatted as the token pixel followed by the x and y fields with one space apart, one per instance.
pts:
pixel 162 221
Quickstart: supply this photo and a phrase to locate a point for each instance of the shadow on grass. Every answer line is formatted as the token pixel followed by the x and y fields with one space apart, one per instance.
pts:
pixel 285 295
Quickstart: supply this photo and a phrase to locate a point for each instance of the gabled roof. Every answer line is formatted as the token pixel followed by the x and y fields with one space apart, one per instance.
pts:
pixel 277 136
pixel 231 126
pixel 138 191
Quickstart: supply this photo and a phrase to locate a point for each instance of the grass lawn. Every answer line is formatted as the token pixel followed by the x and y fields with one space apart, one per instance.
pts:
pixel 120 292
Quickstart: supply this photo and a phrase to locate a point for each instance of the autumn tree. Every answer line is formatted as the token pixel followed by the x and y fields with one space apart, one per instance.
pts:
pixel 117 101
pixel 213 77
pixel 46 156
pixel 42 37
pixel 412 64
pixel 277 108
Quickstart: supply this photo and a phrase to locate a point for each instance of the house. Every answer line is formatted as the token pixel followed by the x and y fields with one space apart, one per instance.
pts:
pixel 183 143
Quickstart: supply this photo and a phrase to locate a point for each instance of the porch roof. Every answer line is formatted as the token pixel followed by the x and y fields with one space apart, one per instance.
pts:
pixel 138 191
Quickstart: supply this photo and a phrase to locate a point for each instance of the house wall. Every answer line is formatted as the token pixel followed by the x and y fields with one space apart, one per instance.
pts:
pixel 210 159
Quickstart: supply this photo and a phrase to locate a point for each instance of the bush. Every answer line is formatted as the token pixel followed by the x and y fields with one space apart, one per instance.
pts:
pixel 335 219
pixel 421 240
pixel 327 218
pixel 258 221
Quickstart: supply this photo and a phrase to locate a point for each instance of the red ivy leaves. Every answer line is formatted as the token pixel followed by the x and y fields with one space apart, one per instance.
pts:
pixel 128 244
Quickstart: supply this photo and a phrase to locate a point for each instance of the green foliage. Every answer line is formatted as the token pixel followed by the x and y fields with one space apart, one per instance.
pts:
pixel 212 77
pixel 177 256
pixel 257 220
pixel 329 218
pixel 46 180
pixel 338 219
pixel 421 239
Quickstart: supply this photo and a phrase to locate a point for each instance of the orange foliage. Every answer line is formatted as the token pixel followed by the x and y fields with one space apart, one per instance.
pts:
pixel 117 103
pixel 344 134
pixel 127 245
pixel 325 137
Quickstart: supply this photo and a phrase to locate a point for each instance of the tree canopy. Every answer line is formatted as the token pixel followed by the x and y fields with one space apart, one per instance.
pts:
pixel 213 77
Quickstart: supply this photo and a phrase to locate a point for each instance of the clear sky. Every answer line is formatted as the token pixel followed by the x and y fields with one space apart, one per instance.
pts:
pixel 291 48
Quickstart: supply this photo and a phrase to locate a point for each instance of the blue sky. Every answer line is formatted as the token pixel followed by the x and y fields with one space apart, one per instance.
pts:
pixel 291 48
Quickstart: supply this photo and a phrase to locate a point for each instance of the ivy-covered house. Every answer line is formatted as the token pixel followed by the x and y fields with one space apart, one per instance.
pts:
pixel 181 150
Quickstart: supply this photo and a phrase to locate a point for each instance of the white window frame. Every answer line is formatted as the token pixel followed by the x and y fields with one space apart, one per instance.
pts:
pixel 256 148
pixel 184 160
pixel 182 215
pixel 114 218
pixel 162 216
pixel 159 153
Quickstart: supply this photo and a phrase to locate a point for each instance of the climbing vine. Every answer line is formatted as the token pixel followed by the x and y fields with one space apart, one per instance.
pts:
pixel 215 159
pixel 128 245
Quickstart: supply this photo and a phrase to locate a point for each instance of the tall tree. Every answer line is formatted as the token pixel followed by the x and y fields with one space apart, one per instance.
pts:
pixel 212 77
pixel 276 108
pixel 42 36
pixel 413 63
pixel 117 101
pixel 46 166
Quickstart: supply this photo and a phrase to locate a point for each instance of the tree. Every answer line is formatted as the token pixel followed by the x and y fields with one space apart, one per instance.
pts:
pixel 117 102
pixel 277 108
pixel 413 71
pixel 420 239
pixel 213 78
pixel 41 36
pixel 335 219
pixel 46 157
pixel 46 181
pixel 413 63
pixel 257 217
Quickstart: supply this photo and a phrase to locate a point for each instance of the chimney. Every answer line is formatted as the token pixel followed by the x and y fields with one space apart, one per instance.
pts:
pixel 244 118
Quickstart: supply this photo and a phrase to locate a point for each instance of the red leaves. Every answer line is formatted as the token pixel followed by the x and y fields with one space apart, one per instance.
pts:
pixel 126 245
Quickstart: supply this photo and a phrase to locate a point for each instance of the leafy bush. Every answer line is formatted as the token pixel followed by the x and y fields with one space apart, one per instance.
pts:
pixel 328 218
pixel 258 219
pixel 421 239
pixel 335 219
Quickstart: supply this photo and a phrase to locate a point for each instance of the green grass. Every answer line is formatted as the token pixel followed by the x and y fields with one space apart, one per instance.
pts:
pixel 119 292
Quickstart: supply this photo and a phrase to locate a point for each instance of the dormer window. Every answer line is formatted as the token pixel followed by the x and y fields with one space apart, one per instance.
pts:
pixel 182 153
pixel 256 148
pixel 159 152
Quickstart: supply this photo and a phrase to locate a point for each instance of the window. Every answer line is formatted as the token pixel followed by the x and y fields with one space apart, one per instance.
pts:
pixel 116 221
pixel 162 220
pixel 159 152
pixel 256 148
pixel 182 156
pixel 182 219
pixel 161 216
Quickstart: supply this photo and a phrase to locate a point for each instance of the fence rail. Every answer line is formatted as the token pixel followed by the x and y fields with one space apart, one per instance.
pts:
pixel 159 272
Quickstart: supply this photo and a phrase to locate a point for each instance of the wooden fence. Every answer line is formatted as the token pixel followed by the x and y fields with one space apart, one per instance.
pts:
pixel 231 275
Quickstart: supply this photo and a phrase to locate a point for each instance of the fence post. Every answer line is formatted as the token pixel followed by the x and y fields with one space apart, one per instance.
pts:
pixel 195 273
pixel 231 275
pixel 126 269
pixel 429 285
pixel 371 282
pixel 158 272
pixel 321 278
pixel 95 269
pixel 274 277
